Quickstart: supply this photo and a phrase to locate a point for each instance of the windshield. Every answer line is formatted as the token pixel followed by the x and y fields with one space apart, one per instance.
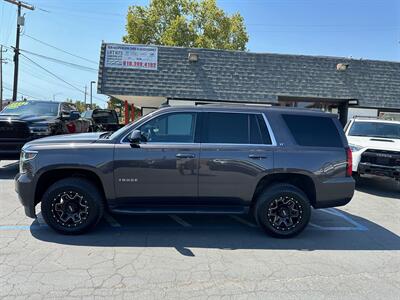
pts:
pixel 32 108
pixel 375 129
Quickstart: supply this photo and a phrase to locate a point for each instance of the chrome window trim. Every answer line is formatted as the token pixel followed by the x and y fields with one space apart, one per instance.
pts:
pixel 271 133
pixel 269 128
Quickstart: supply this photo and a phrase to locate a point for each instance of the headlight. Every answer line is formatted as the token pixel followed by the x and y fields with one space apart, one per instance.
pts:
pixel 40 130
pixel 24 161
pixel 355 148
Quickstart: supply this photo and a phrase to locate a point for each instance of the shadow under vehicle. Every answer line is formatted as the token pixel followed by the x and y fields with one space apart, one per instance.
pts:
pixel 222 232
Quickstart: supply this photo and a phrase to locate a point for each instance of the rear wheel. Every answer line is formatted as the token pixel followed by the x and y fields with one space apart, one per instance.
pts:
pixel 72 206
pixel 282 210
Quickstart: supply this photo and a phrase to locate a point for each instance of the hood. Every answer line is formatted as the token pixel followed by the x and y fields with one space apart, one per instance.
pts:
pixel 375 142
pixel 78 138
pixel 28 118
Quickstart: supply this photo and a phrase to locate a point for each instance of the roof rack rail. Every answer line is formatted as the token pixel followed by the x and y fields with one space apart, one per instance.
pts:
pixel 366 117
pixel 236 104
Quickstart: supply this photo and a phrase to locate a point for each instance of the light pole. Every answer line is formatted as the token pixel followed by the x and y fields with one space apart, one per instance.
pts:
pixel 2 61
pixel 54 96
pixel 91 94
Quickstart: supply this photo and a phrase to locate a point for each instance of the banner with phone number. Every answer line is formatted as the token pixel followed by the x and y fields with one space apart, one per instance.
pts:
pixel 131 57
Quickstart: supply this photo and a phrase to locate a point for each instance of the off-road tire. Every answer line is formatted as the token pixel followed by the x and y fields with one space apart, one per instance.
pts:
pixel 273 206
pixel 84 197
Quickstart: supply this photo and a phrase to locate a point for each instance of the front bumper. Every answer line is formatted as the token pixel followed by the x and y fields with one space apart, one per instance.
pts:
pixel 11 148
pixel 26 194
pixel 378 170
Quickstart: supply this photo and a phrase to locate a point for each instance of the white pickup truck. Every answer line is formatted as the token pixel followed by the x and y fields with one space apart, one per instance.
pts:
pixel 375 144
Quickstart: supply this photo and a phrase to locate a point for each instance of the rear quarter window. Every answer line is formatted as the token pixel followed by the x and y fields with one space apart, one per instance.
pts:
pixel 313 131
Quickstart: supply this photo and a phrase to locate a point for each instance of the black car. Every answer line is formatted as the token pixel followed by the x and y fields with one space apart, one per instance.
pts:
pixel 23 121
pixel 102 119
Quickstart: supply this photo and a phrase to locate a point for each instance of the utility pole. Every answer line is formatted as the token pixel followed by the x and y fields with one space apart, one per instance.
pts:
pixel 91 94
pixel 85 95
pixel 20 22
pixel 1 76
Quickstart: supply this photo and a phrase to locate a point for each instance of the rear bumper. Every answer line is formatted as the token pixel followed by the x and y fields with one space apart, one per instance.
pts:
pixel 378 170
pixel 334 192
pixel 26 194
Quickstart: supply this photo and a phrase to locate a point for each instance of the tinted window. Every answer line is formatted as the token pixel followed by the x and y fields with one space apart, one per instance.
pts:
pixel 264 130
pixel 255 134
pixel 226 128
pixel 313 131
pixel 234 128
pixel 171 128
pixel 105 116
pixel 68 107
pixel 375 129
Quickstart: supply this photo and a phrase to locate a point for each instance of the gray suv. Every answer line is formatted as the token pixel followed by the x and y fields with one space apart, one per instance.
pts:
pixel 274 163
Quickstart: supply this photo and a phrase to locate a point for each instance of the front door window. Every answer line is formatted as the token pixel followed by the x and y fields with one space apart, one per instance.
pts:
pixel 170 128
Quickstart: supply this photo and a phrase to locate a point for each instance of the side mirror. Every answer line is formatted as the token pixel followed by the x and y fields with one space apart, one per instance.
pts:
pixel 74 115
pixel 65 115
pixel 135 138
pixel 70 116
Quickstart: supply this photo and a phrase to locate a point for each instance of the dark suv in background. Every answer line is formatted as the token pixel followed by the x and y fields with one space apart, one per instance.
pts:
pixel 23 121
pixel 102 119
pixel 275 163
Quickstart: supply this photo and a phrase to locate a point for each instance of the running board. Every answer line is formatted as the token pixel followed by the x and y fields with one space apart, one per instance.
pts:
pixel 181 210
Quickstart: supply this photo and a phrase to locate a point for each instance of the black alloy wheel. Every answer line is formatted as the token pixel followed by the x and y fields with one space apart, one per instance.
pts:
pixel 284 213
pixel 282 210
pixel 70 209
pixel 72 205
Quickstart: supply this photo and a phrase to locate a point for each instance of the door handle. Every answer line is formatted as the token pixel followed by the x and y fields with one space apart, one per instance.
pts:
pixel 257 156
pixel 185 155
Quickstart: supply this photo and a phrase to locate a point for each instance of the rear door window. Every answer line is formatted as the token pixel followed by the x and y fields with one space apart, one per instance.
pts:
pixel 313 131
pixel 234 128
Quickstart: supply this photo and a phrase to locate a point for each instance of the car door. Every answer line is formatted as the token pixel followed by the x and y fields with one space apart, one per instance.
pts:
pixel 164 169
pixel 236 148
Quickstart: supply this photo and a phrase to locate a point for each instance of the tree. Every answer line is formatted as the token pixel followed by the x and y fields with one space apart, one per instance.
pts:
pixel 186 23
pixel 119 106
pixel 81 106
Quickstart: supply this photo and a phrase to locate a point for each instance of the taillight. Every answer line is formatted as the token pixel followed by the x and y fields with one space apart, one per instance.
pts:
pixel 349 155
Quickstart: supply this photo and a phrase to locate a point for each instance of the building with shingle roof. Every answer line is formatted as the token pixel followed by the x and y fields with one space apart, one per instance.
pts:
pixel 151 75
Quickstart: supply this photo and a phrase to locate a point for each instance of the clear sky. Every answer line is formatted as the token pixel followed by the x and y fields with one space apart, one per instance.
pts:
pixel 368 29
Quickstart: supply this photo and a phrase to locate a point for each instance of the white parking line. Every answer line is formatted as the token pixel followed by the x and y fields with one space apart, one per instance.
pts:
pixel 180 220
pixel 356 226
pixel 110 220
pixel 243 221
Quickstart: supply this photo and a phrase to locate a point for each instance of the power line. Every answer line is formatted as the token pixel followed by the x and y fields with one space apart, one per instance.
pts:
pixel 21 93
pixel 39 74
pixel 51 73
pixel 58 77
pixel 54 47
pixel 81 67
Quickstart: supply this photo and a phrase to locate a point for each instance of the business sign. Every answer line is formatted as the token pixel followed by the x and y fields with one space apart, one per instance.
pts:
pixel 131 57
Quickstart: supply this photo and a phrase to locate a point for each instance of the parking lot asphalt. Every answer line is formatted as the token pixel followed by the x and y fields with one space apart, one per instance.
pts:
pixel 346 252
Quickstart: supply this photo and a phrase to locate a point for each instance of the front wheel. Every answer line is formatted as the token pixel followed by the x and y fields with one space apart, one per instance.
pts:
pixel 72 206
pixel 282 210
